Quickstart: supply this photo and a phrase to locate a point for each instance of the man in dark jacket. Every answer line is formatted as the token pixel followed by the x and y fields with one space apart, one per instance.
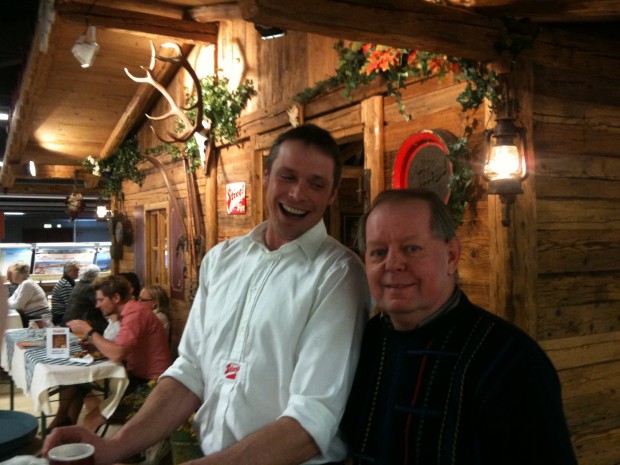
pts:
pixel 440 380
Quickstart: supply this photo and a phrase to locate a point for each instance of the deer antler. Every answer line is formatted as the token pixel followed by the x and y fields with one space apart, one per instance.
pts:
pixel 175 110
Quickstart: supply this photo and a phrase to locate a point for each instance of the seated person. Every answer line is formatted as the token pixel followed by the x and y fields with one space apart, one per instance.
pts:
pixel 62 290
pixel 160 303
pixel 82 304
pixel 141 344
pixel 12 285
pixel 134 283
pixel 29 298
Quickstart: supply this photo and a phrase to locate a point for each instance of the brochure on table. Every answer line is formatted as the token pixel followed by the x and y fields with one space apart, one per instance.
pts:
pixel 58 343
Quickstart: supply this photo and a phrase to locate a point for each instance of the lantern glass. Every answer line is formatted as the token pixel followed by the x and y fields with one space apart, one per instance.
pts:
pixel 102 211
pixel 503 163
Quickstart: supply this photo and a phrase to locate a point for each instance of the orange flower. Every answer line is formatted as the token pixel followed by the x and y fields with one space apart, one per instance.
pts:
pixel 412 59
pixel 366 48
pixel 381 60
pixel 435 64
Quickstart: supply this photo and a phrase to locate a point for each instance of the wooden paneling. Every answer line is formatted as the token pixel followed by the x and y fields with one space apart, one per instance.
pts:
pixel 576 137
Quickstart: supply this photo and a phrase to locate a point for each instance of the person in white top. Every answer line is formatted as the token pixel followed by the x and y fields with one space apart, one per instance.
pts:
pixel 270 348
pixel 160 303
pixel 29 298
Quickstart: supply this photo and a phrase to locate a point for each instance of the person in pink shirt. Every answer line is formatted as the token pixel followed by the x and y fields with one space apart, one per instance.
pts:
pixel 142 343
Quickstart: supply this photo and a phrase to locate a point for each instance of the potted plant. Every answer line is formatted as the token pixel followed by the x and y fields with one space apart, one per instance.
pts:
pixel 184 443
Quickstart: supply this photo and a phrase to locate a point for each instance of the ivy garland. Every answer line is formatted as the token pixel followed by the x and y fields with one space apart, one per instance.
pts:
pixel 222 109
pixel 122 165
pixel 361 63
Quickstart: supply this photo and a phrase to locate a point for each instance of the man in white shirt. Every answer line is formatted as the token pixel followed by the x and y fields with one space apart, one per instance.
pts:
pixel 272 340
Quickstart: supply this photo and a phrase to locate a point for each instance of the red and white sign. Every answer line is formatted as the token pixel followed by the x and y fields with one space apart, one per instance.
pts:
pixel 231 371
pixel 235 198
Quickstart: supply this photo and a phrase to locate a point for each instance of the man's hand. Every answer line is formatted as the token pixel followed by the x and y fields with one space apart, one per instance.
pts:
pixel 71 434
pixel 80 327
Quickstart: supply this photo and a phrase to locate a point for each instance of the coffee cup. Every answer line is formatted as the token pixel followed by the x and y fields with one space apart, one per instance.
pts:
pixel 72 454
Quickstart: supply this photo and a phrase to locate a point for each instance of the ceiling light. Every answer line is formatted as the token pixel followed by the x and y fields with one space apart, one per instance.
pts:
pixel 86 47
pixel 14 213
pixel 4 116
pixel 29 169
pixel 269 32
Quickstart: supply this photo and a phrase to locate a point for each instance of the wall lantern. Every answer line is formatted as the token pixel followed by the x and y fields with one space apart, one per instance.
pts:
pixel 103 213
pixel 505 166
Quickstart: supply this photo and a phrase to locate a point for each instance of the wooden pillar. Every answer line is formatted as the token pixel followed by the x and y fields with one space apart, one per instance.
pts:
pixel 211 202
pixel 372 118
pixel 513 254
pixel 257 181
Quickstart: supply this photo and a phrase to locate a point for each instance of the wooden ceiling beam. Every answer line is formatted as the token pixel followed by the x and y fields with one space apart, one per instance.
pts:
pixel 225 11
pixel 564 11
pixel 421 25
pixel 33 80
pixel 134 22
pixel 431 27
pixel 68 172
pixel 140 6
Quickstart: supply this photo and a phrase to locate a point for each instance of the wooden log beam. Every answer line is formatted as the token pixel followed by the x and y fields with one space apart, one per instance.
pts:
pixel 436 28
pixel 35 76
pixel 135 22
pixel 513 260
pixel 549 11
pixel 140 6
pixel 429 27
pixel 225 11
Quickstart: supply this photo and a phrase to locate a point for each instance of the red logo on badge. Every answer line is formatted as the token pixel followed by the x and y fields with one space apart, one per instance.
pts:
pixel 231 370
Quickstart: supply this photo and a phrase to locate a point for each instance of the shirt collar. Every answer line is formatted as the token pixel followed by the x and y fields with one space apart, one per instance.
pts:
pixel 309 242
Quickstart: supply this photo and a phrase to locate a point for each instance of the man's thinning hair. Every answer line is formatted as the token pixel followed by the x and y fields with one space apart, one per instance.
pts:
pixel 113 284
pixel 69 265
pixel 442 225
pixel 309 134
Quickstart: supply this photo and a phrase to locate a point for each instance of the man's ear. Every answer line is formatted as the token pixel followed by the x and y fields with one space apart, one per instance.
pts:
pixel 454 254
pixel 333 196
pixel 265 178
pixel 116 298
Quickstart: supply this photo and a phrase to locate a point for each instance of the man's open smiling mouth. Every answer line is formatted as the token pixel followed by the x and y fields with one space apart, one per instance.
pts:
pixel 292 211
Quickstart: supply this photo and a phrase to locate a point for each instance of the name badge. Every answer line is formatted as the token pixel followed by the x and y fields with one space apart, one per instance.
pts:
pixel 234 371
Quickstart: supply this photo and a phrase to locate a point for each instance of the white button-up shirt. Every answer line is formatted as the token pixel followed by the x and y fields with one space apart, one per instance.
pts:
pixel 274 333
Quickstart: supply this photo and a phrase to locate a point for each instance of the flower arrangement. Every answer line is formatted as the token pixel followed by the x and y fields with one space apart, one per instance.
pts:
pixel 120 166
pixel 222 109
pixel 361 63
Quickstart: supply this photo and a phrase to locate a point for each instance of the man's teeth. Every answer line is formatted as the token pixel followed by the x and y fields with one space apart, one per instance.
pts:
pixel 292 210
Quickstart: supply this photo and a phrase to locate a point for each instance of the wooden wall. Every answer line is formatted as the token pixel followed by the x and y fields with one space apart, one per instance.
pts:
pixel 575 181
pixel 577 140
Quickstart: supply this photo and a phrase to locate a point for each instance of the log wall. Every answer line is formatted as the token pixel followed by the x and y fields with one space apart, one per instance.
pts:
pixel 576 138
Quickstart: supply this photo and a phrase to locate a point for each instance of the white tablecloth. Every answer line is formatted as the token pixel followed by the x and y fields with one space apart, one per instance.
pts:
pixel 13 320
pixel 46 376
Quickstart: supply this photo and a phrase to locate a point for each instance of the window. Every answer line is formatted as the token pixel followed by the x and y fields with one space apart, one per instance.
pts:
pixel 156 245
